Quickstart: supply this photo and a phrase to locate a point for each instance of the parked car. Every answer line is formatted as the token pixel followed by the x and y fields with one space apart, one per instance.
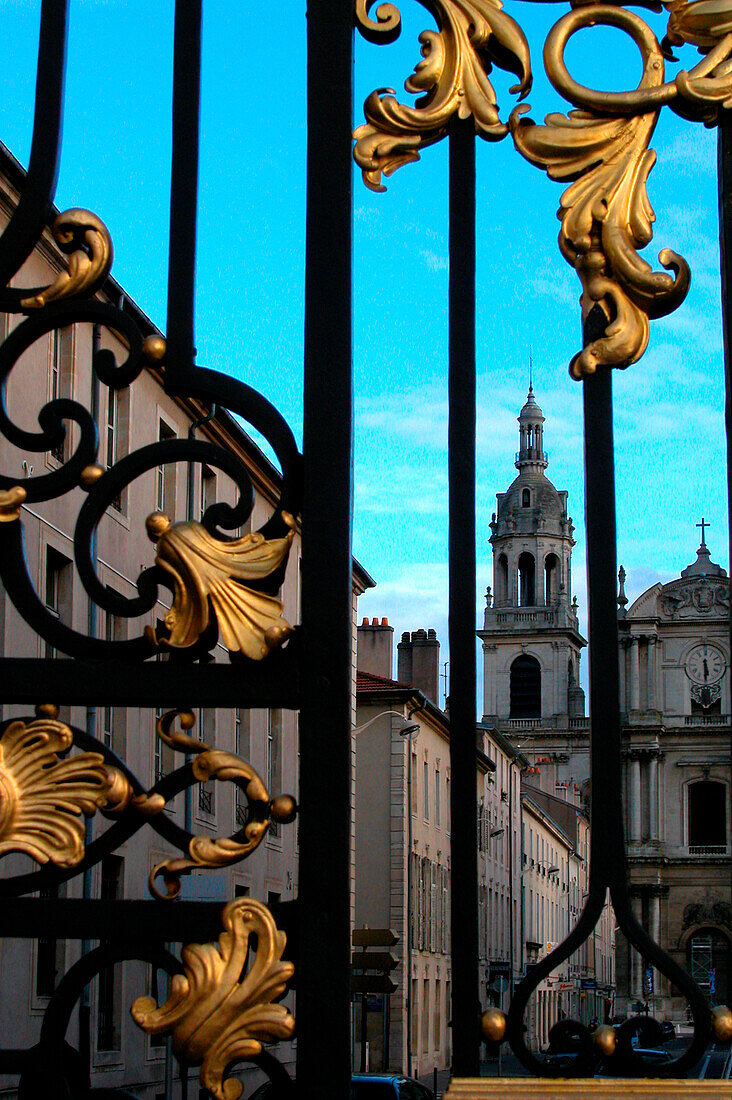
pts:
pixel 369 1086
pixel 650 1055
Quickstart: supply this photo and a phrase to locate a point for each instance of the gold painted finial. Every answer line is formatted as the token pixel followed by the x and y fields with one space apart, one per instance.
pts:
pixel 90 475
pixel 605 1040
pixel 154 348
pixel 283 809
pixel 10 503
pixel 156 524
pixel 46 710
pixel 493 1025
pixel 722 1024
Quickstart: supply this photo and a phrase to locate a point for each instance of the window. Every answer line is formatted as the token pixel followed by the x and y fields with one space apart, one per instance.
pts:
pixel 113 718
pixel 274 759
pixel 163 755
pixel 242 748
pixel 426 790
pixel 207 791
pixel 527 579
pixel 426 1016
pixel 109 999
pixel 525 498
pixel 116 433
pixel 414 784
pixel 708 963
pixel 525 688
pixel 208 489
pixel 57 590
pixel 437 797
pixel 61 377
pixel 707 815
pixel 166 476
pixel 49 953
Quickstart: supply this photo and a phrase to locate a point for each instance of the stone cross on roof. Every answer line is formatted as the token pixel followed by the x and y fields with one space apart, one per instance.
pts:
pixel 703 524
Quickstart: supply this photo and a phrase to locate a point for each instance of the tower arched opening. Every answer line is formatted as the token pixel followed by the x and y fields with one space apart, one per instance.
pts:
pixel 525 687
pixel 552 572
pixel 527 579
pixel 707 814
pixel 501 580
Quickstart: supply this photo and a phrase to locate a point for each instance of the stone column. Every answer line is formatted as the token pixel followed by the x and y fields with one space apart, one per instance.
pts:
pixel 636 963
pixel 651 690
pixel 634 675
pixel 653 797
pixel 623 685
pixel 635 798
pixel 655 918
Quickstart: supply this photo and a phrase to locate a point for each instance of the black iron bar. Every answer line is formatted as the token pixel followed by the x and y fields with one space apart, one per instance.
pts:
pixel 462 603
pixel 36 199
pixel 183 190
pixel 323 1010
pixel 724 176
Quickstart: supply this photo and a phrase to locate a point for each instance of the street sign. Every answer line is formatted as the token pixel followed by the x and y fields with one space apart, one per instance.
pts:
pixel 372 983
pixel 374 960
pixel 374 937
pixel 588 983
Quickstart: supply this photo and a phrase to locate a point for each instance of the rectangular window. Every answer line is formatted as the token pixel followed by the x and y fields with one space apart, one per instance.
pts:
pixel 109 1000
pixel 208 489
pixel 274 759
pixel 426 1016
pixel 414 784
pixel 61 378
pixel 49 953
pixel 163 755
pixel 242 748
pixel 426 790
pixel 437 798
pixel 415 1014
pixel 436 1019
pixel 113 718
pixel 207 791
pixel 57 590
pixel 166 476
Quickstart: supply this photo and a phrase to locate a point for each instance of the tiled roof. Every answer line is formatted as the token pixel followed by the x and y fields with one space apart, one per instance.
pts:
pixel 369 681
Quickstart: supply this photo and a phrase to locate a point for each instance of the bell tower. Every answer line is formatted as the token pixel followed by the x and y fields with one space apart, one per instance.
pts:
pixel 531 639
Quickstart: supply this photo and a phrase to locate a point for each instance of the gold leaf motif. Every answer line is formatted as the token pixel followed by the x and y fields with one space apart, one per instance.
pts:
pixel 207 573
pixel 706 24
pixel 214 1015
pixel 43 797
pixel 472 36
pixel 206 851
pixel 605 213
pixel 11 501
pixel 86 240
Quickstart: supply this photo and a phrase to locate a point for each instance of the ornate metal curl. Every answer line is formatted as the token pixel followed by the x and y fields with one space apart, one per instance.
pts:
pixel 472 36
pixel 215 1014
pixel 85 239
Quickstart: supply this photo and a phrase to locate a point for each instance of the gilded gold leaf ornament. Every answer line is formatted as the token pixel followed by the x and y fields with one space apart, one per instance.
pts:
pixel 472 35
pixel 605 213
pixel 387 25
pixel 215 1014
pixel 43 797
pixel 706 24
pixel 207 575
pixel 11 501
pixel 86 240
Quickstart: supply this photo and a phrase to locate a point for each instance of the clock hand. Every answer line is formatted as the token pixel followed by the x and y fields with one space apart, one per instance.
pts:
pixel 706 669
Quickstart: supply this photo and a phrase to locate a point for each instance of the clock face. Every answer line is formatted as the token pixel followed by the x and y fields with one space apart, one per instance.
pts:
pixel 705 664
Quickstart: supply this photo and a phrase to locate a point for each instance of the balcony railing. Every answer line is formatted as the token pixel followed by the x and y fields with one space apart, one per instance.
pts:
pixel 708 850
pixel 524 723
pixel 703 720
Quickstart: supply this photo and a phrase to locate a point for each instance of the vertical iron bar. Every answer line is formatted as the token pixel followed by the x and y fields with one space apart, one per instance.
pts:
pixel 462 609
pixel 724 176
pixel 607 841
pixel 323 983
pixel 184 188
pixel 29 219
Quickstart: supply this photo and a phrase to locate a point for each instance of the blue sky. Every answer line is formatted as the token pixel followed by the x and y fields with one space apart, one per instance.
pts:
pixel 669 407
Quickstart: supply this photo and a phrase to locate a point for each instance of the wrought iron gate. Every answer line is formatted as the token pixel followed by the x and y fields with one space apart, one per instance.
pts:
pixel 224 586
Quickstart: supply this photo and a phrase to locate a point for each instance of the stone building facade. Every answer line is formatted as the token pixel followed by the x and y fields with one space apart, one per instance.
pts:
pixel 675 702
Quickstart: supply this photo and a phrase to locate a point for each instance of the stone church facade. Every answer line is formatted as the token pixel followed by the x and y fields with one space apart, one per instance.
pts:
pixel 675 703
pixel 674 654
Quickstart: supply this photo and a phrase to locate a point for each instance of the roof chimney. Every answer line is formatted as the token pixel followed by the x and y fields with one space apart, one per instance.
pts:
pixel 375 653
pixel 419 662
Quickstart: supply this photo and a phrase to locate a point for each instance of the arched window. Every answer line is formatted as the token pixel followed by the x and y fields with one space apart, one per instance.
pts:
pixel 551 579
pixel 707 815
pixel 525 687
pixel 525 498
pixel 707 960
pixel 527 580
pixel 501 580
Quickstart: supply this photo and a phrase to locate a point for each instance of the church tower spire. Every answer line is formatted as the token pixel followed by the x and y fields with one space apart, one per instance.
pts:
pixel 531 435
pixel 531 638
